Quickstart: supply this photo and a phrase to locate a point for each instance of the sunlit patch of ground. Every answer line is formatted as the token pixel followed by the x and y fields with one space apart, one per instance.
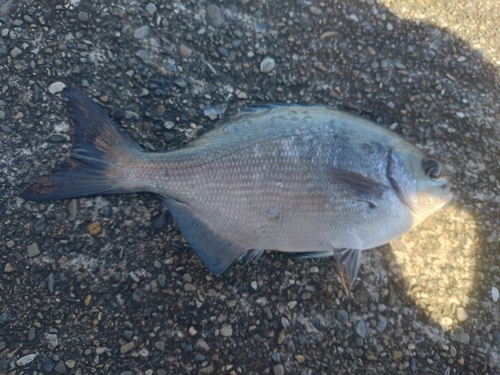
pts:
pixel 438 261
pixel 475 22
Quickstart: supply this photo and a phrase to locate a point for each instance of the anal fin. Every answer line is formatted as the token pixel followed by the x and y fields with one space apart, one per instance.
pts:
pixel 215 250
pixel 312 254
pixel 349 260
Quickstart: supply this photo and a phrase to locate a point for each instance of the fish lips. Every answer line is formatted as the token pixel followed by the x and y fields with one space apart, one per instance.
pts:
pixel 438 194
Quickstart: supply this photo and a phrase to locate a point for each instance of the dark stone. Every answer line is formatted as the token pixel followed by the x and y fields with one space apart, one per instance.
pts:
pixel 413 364
pixel 6 129
pixel 186 348
pixel 160 222
pixel 169 136
pixel 180 82
pixel 148 311
pixel 496 338
pixel 117 113
pixel 36 93
pixel 342 316
pixel 40 224
pixel 302 339
pixel 57 138
pixel 223 51
pixel 60 367
pixel 49 365
pixel 4 318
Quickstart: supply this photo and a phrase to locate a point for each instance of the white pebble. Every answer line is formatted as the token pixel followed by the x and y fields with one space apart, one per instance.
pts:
pixel 389 26
pixel 254 284
pixel 267 64
pixel 26 359
pixel 56 87
pixel 461 314
pixel 494 294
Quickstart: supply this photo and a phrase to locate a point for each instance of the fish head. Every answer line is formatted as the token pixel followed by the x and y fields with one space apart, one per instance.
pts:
pixel 419 182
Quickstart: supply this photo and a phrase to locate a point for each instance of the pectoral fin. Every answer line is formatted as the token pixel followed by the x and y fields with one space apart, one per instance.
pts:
pixel 215 250
pixel 359 186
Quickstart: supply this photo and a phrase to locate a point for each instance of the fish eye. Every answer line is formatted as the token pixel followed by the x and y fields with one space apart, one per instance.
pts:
pixel 432 168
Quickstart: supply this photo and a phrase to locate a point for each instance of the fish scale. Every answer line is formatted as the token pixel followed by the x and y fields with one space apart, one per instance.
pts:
pixel 308 180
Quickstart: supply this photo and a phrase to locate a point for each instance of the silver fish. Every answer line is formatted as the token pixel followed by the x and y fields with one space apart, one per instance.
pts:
pixel 307 180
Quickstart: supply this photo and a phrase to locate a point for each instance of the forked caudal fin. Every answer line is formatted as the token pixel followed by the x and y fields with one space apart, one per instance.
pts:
pixel 93 169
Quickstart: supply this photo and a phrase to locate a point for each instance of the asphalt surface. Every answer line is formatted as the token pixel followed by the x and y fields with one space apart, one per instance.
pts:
pixel 107 285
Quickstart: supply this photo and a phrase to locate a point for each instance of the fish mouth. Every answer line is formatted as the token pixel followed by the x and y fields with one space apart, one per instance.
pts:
pixel 447 187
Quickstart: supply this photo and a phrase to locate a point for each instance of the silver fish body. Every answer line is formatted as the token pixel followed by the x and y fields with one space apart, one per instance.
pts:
pixel 298 179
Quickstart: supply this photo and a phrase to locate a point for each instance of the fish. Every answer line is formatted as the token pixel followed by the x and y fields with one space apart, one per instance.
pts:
pixel 311 181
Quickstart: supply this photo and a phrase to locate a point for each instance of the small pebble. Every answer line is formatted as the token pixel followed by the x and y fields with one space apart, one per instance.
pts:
pixel 206 370
pixel 15 52
pixel 94 228
pixel 160 345
pixel 83 16
pixel 226 330
pixel 161 279
pixel 180 82
pixel 144 55
pixel 141 32
pixel 494 294
pixel 267 64
pixel 459 335
pixel 8 268
pixel 361 329
pixel 48 365
pixel 381 323
pixel 315 10
pixel 151 9
pixel 56 87
pixel 453 351
pixel 50 283
pixel 461 314
pixel 214 15
pixel 185 51
pixel 32 250
pixel 342 316
pixel 23 361
pixel 52 340
pixel 279 369
pixel 127 347
pixel 137 295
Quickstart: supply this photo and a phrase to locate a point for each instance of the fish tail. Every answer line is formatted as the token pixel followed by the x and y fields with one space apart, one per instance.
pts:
pixel 102 151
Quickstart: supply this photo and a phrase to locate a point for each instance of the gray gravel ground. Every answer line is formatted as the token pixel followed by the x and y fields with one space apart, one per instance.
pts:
pixel 107 285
